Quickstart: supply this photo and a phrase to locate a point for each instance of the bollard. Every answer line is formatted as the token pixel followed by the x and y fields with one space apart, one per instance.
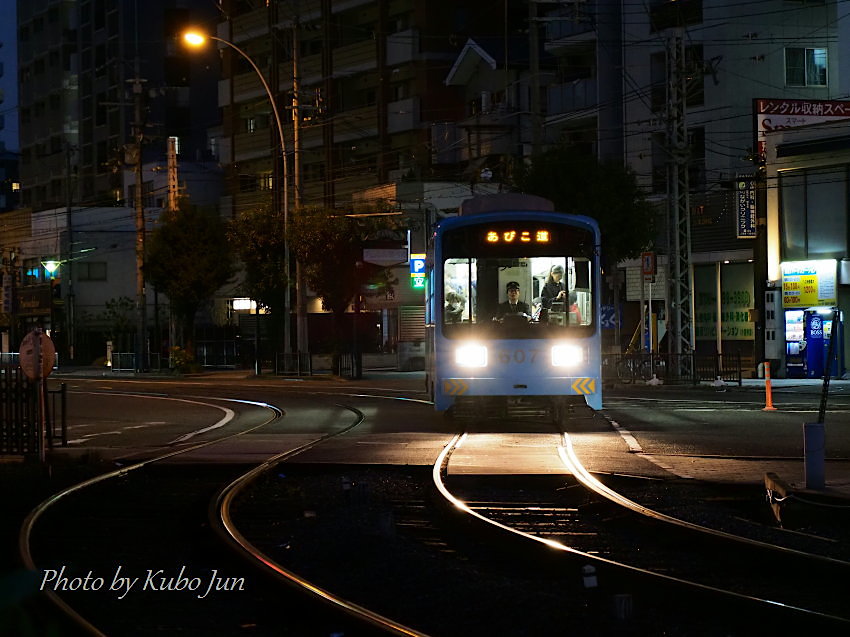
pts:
pixel 767 389
pixel 588 574
pixel 813 451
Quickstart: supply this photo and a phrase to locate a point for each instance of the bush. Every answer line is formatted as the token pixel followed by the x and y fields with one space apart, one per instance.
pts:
pixel 181 360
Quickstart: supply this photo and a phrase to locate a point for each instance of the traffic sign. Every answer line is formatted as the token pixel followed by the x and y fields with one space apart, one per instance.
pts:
pixel 36 355
pixel 648 264
pixel 417 265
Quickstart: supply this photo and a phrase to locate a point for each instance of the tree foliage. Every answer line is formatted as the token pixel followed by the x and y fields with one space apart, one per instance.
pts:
pixel 257 235
pixel 188 258
pixel 607 192
pixel 330 245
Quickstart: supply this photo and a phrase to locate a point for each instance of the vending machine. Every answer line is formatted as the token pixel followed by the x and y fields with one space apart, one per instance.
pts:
pixel 818 330
pixel 807 337
pixel 795 344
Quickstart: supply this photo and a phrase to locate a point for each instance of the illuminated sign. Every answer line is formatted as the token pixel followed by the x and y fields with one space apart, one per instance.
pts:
pixel 517 236
pixel 417 270
pixel 417 265
pixel 809 283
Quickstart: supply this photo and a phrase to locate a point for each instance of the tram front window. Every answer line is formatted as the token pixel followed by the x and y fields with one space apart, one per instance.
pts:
pixel 555 294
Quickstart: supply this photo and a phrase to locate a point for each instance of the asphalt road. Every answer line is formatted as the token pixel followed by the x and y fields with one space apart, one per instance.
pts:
pixel 114 415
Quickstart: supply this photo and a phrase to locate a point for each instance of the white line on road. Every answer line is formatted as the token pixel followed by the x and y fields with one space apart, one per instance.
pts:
pixel 634 447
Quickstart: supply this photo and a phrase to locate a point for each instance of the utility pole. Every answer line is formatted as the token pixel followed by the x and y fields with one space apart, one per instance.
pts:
pixel 302 340
pixel 173 190
pixel 678 186
pixel 141 301
pixel 67 273
pixel 534 61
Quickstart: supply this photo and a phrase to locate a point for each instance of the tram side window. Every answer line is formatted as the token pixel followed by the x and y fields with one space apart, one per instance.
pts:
pixel 460 277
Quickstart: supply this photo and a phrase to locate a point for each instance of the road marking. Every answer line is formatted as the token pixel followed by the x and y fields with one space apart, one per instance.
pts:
pixel 229 414
pixel 634 447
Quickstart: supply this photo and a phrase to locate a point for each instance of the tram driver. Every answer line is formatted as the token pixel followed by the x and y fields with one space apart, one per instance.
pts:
pixel 513 305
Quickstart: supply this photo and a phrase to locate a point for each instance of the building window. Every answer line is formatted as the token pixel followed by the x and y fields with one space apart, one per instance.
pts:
pixel 813 213
pixel 805 67
pixel 91 270
pixel 32 271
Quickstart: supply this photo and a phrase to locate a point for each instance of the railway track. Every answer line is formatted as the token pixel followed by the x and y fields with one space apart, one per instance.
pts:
pixel 529 553
pixel 127 551
pixel 406 550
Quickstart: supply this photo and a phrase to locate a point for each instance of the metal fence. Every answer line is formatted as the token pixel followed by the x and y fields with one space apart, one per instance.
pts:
pixel 220 354
pixel 298 363
pixel 10 359
pixel 20 420
pixel 345 364
pixel 672 368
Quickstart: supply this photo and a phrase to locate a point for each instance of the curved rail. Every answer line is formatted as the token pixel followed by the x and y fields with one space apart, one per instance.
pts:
pixel 29 522
pixel 575 467
pixel 441 465
pixel 227 528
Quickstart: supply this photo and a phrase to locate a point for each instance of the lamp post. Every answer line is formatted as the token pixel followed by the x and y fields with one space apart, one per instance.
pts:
pixel 196 39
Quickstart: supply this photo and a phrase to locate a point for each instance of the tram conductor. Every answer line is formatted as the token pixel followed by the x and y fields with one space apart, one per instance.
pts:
pixel 513 305
pixel 554 288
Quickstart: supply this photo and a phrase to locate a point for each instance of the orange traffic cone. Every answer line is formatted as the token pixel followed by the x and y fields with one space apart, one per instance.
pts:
pixel 768 392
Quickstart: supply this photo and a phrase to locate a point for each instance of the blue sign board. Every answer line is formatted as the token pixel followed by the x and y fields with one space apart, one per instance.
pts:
pixel 607 317
pixel 417 264
pixel 745 216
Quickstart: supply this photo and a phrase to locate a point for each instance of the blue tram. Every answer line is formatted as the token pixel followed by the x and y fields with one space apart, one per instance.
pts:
pixel 512 309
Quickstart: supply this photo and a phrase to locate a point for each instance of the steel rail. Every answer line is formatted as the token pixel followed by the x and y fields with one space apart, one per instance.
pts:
pixel 220 515
pixel 589 481
pixel 28 524
pixel 440 469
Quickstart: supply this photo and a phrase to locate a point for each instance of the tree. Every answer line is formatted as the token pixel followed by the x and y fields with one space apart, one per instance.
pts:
pixel 119 319
pixel 257 235
pixel 607 192
pixel 189 258
pixel 330 245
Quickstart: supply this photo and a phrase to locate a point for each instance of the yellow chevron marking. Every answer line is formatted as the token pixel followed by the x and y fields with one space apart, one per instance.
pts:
pixel 454 386
pixel 584 385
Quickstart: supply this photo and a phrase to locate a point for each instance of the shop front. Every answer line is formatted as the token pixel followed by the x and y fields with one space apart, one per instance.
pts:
pixel 810 307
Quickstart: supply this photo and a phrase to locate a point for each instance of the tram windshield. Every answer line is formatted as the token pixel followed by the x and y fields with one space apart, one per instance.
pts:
pixel 518 296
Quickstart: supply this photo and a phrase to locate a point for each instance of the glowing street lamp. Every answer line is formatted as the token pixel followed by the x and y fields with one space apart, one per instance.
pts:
pixel 197 39
pixel 51 266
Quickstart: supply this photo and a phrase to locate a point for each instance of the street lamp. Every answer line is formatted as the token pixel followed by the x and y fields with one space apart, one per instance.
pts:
pixel 196 39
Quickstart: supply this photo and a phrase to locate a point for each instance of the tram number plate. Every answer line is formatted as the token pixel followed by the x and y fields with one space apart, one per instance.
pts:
pixel 519 356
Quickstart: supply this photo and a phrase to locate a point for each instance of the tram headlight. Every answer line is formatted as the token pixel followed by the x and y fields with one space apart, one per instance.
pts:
pixel 471 355
pixel 567 355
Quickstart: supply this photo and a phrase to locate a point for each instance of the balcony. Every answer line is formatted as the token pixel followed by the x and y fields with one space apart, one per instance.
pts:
pixel 310 69
pixel 252 145
pixel 402 47
pixel 247 86
pixel 354 58
pixel 403 115
pixel 572 96
pixel 561 34
pixel 248 25
pixel 356 124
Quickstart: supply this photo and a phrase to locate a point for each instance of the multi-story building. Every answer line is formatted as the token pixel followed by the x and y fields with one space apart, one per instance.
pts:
pixel 702 67
pixel 88 70
pixel 370 79
pixel 99 79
